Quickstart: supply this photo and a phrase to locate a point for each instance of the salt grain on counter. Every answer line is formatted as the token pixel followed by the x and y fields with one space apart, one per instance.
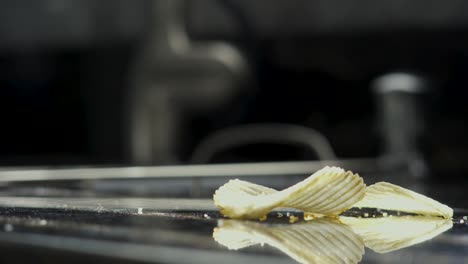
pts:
pixel 140 210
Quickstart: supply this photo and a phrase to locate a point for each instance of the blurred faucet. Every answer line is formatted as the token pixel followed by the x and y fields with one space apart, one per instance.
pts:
pixel 174 78
pixel 401 116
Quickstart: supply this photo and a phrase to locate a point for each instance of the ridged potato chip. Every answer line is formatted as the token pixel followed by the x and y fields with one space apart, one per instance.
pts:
pixel 387 196
pixel 329 191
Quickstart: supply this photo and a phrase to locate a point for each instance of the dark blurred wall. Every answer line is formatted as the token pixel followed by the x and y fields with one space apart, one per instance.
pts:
pixel 64 73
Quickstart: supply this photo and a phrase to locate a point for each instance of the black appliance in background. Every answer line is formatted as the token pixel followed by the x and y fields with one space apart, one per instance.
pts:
pixel 150 82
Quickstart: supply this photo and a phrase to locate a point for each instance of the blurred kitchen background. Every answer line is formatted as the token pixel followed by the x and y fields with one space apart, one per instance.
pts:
pixel 138 82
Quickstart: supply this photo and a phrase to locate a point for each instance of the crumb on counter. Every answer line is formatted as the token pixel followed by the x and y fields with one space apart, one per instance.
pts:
pixel 293 219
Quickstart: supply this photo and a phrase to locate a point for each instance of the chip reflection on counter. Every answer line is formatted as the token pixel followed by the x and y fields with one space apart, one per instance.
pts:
pixel 321 240
pixel 327 240
pixel 388 234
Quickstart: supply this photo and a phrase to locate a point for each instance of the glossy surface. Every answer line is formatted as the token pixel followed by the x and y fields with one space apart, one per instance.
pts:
pixel 181 231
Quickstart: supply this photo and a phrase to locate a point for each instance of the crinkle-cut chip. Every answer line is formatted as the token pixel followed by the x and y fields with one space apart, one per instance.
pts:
pixel 329 191
pixel 387 196
pixel 392 233
pixel 318 241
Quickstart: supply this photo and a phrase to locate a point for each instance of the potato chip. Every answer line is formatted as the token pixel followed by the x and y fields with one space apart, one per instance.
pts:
pixel 388 196
pixel 329 191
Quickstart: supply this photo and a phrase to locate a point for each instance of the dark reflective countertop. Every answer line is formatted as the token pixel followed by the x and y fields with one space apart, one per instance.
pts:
pixel 48 223
pixel 192 231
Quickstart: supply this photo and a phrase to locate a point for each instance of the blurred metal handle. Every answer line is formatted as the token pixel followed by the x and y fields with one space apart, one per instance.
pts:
pixel 263 133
